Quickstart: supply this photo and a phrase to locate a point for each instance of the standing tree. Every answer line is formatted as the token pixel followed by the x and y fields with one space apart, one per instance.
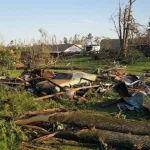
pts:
pixel 97 40
pixel 70 40
pixel 7 58
pixel 76 39
pixel 43 35
pixel 90 38
pixel 65 40
pixel 125 26
pixel 84 41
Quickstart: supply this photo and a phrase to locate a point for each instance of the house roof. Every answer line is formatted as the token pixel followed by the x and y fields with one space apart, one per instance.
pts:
pixel 60 47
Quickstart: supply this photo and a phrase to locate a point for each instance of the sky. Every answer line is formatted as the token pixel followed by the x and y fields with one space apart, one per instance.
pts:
pixel 21 19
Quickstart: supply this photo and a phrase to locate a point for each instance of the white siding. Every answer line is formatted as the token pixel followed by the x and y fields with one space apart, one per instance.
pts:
pixel 96 48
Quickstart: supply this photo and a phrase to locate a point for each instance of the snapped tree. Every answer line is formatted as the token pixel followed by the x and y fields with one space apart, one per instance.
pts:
pixel 125 27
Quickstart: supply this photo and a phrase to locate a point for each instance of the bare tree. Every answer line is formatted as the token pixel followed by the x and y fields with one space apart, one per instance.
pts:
pixel 125 26
pixel 90 38
pixel 76 39
pixel 43 34
pixel 65 40
pixel 84 41
pixel 97 40
pixel 70 40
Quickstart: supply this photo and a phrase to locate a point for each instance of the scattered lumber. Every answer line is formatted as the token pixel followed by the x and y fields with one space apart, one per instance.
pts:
pixel 68 92
pixel 49 96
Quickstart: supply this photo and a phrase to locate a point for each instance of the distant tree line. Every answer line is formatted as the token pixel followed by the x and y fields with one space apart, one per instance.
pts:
pixel 82 40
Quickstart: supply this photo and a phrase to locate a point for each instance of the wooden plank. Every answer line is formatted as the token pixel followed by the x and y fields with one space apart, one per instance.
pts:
pixel 48 96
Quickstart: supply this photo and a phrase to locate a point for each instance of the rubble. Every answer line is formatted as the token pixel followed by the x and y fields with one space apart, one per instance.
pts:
pixel 45 84
pixel 76 125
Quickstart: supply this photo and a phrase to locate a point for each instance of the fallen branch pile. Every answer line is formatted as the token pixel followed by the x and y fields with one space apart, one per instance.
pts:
pixel 111 138
pixel 89 128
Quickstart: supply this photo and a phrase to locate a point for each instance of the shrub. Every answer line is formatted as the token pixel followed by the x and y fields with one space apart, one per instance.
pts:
pixel 11 136
pixel 133 57
pixel 15 103
pixel 12 104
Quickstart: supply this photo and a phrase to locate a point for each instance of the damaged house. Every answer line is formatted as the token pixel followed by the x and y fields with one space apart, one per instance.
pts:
pixel 112 46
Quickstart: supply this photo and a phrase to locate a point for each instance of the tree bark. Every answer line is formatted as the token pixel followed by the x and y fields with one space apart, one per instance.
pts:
pixel 82 119
pixel 107 137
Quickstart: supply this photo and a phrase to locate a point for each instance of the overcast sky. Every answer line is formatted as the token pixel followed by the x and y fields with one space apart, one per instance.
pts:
pixel 21 19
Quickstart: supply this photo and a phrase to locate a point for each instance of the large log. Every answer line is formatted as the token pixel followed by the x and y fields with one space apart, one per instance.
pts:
pixel 116 139
pixel 41 112
pixel 28 145
pixel 82 119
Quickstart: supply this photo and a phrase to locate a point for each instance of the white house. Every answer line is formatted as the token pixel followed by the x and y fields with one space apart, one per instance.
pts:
pixel 65 48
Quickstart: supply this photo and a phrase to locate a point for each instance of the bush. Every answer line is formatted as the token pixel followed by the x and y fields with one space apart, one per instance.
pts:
pixel 11 136
pixel 15 103
pixel 12 104
pixel 133 57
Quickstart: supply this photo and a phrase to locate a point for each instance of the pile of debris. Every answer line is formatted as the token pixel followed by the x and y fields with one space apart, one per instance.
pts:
pixel 131 88
pixel 75 84
pixel 62 126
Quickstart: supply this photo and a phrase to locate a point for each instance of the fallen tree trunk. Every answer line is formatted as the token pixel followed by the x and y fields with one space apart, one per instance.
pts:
pixel 37 128
pixel 120 140
pixel 82 119
pixel 43 112
pixel 58 141
pixel 28 145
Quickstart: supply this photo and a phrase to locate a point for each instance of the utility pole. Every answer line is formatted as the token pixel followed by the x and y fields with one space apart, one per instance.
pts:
pixel 148 35
pixel 148 30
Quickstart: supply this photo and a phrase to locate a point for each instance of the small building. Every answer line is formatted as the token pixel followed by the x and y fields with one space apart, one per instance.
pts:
pixel 65 49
